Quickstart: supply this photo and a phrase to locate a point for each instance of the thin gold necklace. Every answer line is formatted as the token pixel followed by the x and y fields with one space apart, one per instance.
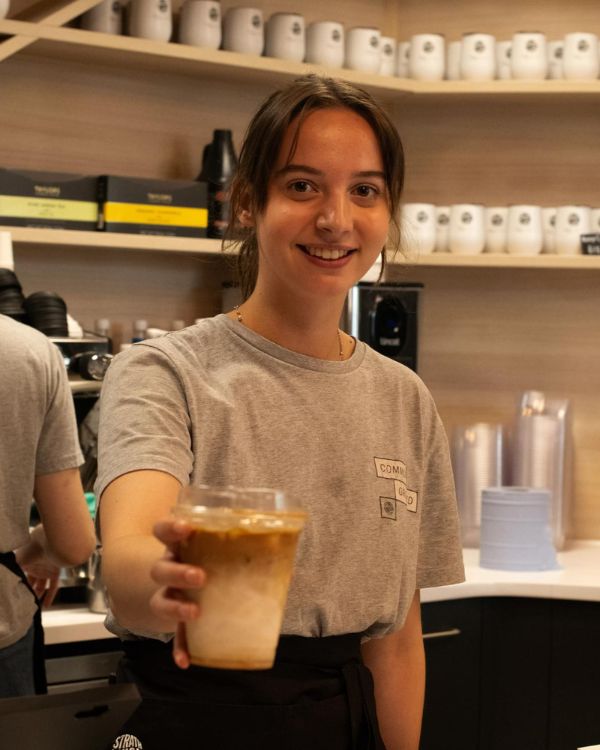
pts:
pixel 238 313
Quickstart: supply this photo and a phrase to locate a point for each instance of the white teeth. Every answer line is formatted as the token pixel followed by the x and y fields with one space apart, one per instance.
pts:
pixel 326 253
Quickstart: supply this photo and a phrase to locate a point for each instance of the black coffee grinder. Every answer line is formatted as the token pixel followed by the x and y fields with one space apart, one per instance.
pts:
pixel 384 316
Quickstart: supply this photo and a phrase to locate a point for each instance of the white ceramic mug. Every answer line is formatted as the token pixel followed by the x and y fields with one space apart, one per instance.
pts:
pixel 243 31
pixel 402 59
pixel 325 44
pixel 595 220
pixel 106 17
pixel 427 61
pixel 284 37
pixel 418 227
pixel 200 23
pixel 580 56
pixel 555 59
pixel 571 223
pixel 495 229
pixel 529 57
pixel 453 50
pixel 548 228
pixel 478 57
pixel 363 49
pixel 524 234
pixel 442 228
pixel 467 231
pixel 503 56
pixel 150 19
pixel 389 49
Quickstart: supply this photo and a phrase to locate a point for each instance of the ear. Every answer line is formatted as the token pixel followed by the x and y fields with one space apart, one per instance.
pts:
pixel 246 218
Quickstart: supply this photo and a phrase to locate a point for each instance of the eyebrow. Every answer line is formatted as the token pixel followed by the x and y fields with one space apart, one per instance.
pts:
pixel 290 168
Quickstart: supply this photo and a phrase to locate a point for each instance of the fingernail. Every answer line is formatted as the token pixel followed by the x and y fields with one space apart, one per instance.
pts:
pixel 180 660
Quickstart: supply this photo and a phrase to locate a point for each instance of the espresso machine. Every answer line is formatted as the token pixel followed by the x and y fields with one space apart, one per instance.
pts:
pixel 385 316
pixel 86 360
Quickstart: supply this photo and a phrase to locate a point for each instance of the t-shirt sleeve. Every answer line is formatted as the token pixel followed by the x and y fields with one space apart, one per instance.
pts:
pixel 58 445
pixel 440 560
pixel 144 419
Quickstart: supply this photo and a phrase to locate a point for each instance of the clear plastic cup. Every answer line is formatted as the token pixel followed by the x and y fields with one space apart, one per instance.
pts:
pixel 245 540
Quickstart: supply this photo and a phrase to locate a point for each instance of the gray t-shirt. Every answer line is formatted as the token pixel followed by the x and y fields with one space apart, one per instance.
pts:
pixel 358 442
pixel 38 436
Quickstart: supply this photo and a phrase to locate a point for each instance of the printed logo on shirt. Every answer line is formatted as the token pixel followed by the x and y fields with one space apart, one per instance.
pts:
pixel 406 496
pixel 387 468
pixel 127 742
pixel 388 507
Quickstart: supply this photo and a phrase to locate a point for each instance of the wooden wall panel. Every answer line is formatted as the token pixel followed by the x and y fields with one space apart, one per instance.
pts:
pixel 125 285
pixel 499 151
pixel 489 335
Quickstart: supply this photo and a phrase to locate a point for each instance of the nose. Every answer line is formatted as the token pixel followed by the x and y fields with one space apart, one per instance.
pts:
pixel 334 217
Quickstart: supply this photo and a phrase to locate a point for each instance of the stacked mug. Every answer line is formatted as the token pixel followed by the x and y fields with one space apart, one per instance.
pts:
pixel 527 56
pixel 426 56
pixel 470 229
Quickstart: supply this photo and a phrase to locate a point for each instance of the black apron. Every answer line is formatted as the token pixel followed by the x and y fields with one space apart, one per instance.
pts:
pixel 8 560
pixel 318 696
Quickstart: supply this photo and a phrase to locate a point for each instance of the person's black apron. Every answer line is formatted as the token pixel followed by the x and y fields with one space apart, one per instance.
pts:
pixel 318 696
pixel 8 560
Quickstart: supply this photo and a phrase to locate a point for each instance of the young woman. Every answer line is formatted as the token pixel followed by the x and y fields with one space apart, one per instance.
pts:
pixel 274 394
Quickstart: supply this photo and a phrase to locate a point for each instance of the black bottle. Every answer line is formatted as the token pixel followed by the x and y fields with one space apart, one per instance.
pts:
pixel 219 163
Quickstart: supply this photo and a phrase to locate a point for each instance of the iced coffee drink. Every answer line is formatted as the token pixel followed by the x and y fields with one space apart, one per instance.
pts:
pixel 248 556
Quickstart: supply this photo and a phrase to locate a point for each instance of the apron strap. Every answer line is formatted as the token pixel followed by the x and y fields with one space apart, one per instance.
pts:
pixel 361 701
pixel 9 561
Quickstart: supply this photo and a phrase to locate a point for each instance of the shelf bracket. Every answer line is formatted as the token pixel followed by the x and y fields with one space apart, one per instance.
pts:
pixel 49 13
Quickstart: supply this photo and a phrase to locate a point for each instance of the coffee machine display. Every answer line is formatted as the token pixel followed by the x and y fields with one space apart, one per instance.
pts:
pixel 385 317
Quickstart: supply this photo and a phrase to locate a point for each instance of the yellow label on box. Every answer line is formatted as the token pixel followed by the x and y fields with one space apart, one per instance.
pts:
pixel 141 213
pixel 21 207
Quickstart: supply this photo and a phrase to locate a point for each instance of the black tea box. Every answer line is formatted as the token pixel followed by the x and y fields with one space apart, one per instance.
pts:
pixel 176 208
pixel 55 200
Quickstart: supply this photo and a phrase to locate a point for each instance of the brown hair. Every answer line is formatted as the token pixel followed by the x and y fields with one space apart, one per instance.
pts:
pixel 261 146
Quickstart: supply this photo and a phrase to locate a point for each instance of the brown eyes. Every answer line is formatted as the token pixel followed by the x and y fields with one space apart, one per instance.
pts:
pixel 303 187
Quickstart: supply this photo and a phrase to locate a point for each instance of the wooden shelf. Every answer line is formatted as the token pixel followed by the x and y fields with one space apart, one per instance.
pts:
pixel 78 45
pixel 98 240
pixel 119 241
pixel 506 260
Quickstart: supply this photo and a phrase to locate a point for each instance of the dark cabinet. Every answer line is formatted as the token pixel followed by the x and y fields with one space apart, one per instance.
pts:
pixel 516 646
pixel 452 633
pixel 574 709
pixel 511 672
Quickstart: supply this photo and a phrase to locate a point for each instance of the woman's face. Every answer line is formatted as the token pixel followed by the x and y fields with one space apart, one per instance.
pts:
pixel 327 213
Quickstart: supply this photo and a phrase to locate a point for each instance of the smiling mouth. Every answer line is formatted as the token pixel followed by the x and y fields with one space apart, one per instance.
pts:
pixel 327 253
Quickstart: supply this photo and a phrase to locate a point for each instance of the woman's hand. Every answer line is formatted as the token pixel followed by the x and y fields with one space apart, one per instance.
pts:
pixel 41 572
pixel 174 578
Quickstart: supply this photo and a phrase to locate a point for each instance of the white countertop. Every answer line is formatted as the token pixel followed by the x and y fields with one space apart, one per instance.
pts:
pixel 578 579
